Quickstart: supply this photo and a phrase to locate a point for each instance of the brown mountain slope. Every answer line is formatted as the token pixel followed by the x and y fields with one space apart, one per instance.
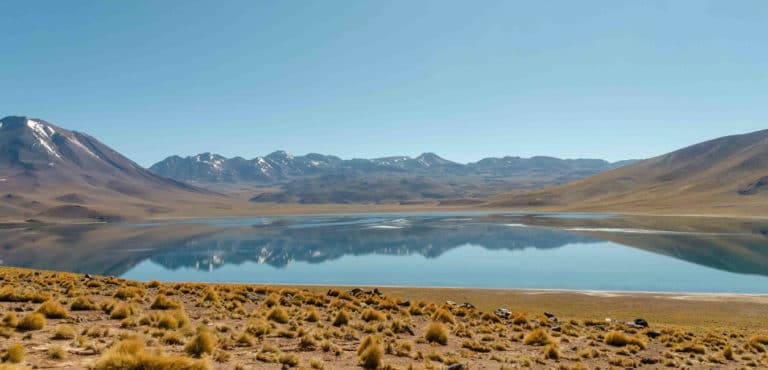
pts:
pixel 52 173
pixel 725 175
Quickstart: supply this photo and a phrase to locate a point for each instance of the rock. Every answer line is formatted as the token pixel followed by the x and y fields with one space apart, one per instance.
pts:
pixel 641 323
pixel 467 305
pixel 450 303
pixel 503 313
pixel 653 334
pixel 377 292
pixel 88 276
pixel 355 291
pixel 253 297
pixel 404 304
pixel 649 361
pixel 632 325
pixel 549 315
pixel 557 328
pixel 457 367
pixel 332 293
pixel 408 330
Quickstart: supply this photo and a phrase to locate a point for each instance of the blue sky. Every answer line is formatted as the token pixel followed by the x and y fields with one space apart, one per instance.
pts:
pixel 465 79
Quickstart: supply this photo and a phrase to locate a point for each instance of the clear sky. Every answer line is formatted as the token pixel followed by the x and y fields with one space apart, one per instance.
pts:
pixel 465 79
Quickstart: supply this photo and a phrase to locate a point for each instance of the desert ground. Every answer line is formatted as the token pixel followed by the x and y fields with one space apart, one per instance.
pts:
pixel 63 320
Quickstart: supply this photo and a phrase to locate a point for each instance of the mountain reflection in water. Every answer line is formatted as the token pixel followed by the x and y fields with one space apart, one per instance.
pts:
pixel 288 244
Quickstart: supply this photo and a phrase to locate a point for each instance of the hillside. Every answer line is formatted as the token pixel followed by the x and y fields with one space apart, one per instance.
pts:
pixel 317 178
pixel 50 172
pixel 725 175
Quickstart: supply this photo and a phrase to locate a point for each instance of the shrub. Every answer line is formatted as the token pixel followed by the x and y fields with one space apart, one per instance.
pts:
pixel 436 333
pixel 538 337
pixel 728 353
pixel 56 353
pixel 370 352
pixel 64 332
pixel 84 303
pixel 619 339
pixel 444 316
pixel 312 315
pixel 373 315
pixel 10 319
pixel 278 314
pixel 204 342
pixel 33 321
pixel 758 342
pixel 289 359
pixel 15 354
pixel 258 328
pixel 476 346
pixel 52 310
pixel 551 352
pixel 211 296
pixel 130 354
pixel 128 293
pixel 162 302
pixel 342 318
pixel 122 311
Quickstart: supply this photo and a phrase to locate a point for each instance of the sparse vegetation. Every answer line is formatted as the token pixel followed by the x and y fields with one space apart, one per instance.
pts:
pixel 306 329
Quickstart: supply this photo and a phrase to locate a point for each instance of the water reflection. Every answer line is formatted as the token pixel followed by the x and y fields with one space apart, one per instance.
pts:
pixel 291 245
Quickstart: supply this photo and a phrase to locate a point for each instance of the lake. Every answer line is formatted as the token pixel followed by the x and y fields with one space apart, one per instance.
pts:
pixel 510 250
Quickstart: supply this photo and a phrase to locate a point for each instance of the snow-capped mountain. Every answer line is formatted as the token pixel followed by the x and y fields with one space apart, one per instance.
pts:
pixel 43 165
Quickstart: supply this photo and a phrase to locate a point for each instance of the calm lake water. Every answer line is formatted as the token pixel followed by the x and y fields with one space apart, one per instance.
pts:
pixel 547 251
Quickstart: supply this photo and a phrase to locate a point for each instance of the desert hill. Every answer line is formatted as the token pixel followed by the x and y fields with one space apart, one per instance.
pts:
pixel 725 175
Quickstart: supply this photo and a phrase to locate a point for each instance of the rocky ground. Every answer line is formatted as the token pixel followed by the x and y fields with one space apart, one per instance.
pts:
pixel 63 320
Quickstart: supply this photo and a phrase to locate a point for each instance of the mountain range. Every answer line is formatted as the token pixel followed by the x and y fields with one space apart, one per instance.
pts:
pixel 724 175
pixel 317 178
pixel 48 172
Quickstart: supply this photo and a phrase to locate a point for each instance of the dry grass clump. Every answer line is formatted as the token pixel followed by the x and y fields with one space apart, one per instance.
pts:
pixel 162 302
pixel 10 319
pixel 204 342
pixel 312 315
pixel 130 354
pixel 370 352
pixel 33 321
pixel 758 342
pixel 56 352
pixel 211 296
pixel 538 337
pixel 258 327
pixel 64 332
pixel 277 314
pixel 14 354
pixel 52 310
pixel 476 346
pixel 444 316
pixel 128 292
pixel 436 333
pixel 122 311
pixel 289 359
pixel 550 351
pixel 342 318
pixel 619 339
pixel 372 315
pixel 84 303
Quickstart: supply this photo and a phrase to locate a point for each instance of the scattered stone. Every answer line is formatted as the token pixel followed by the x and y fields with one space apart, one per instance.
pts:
pixel 457 367
pixel 88 276
pixel 557 328
pixel 404 304
pixel 632 325
pixel 649 361
pixel 408 330
pixel 355 291
pixel 503 313
pixel 549 315
pixel 467 305
pixel 450 303
pixel 641 323
pixel 653 334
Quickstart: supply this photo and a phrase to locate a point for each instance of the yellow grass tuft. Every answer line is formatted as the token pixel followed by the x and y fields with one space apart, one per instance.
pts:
pixel 538 337
pixel 370 352
pixel 277 314
pixel 204 342
pixel 130 354
pixel 758 342
pixel 84 303
pixel 52 310
pixel 162 302
pixel 436 333
pixel 14 354
pixel 33 321
pixel 619 339
pixel 342 318
pixel 444 316
pixel 372 315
